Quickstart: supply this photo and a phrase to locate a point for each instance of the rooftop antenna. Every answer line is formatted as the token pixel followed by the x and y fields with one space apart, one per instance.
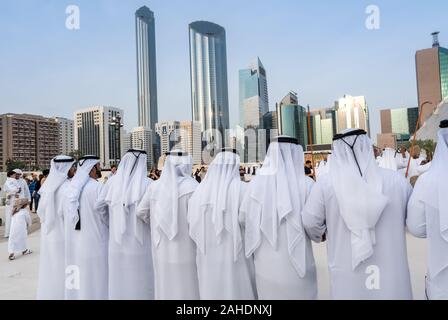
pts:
pixel 435 39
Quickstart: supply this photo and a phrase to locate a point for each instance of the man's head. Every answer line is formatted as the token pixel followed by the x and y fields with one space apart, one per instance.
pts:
pixel 113 169
pixel 72 171
pixel 11 174
pixel 46 172
pixel 415 152
pixel 18 173
pixel 402 149
pixel 95 173
pixel 308 164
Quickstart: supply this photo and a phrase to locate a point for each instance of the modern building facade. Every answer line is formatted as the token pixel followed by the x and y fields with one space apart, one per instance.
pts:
pixel 29 139
pixel 190 139
pixel 292 119
pixel 96 134
pixel 167 131
pixel 146 67
pixel 208 71
pixel 432 76
pixel 399 123
pixel 66 135
pixel 253 95
pixel 352 113
pixel 323 128
pixel 142 138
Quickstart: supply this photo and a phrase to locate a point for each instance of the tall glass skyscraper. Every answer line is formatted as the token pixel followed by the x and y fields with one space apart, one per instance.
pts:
pixel 208 68
pixel 253 95
pixel 292 119
pixel 146 67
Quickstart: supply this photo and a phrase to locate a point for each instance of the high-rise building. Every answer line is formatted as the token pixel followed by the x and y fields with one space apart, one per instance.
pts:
pixel 253 92
pixel 96 134
pixel 66 136
pixel 29 139
pixel 183 135
pixel 323 128
pixel 208 69
pixel 292 119
pixel 146 67
pixel 432 76
pixel 352 113
pixel 142 138
pixel 399 123
pixel 190 139
pixel 126 142
pixel 167 132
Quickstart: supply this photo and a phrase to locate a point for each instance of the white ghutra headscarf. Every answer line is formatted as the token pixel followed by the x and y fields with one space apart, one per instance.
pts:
pixel 59 168
pixel 125 189
pixel 388 159
pixel 175 182
pixel 278 193
pixel 74 189
pixel 219 192
pixel 357 184
pixel 435 196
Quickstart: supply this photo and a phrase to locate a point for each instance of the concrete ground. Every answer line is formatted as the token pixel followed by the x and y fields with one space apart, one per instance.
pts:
pixel 18 278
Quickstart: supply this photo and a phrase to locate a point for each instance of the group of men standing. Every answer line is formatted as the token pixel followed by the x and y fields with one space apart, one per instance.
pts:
pixel 133 238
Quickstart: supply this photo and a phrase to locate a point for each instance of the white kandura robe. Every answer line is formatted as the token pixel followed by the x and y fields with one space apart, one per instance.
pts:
pixel 19 231
pixel 10 188
pixel 51 282
pixel 175 272
pixel 322 216
pixel 88 248
pixel 220 277
pixel 275 276
pixel 428 218
pixel 130 262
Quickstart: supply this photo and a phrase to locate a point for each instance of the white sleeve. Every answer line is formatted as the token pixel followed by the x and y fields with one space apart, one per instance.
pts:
pixel 416 215
pixel 313 215
pixel 143 208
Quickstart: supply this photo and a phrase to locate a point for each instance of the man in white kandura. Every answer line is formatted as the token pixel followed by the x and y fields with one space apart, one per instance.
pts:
pixel 361 209
pixel 428 217
pixel 86 235
pixel 271 214
pixel 165 207
pixel 12 190
pixel 130 260
pixel 389 159
pixel 223 270
pixel 51 283
pixel 24 189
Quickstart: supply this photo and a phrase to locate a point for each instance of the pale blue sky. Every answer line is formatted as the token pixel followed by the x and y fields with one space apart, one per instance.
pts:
pixel 321 49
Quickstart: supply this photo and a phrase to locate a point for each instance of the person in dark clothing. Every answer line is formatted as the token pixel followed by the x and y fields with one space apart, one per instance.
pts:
pixel 309 171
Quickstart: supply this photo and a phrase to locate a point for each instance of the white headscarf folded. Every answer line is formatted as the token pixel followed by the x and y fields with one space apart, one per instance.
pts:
pixel 357 184
pixel 220 192
pixel 126 188
pixel 85 165
pixel 435 196
pixel 278 193
pixel 59 167
pixel 388 159
pixel 175 182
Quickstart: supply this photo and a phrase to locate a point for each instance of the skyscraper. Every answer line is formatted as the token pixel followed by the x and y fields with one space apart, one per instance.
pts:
pixel 432 76
pixel 253 92
pixel 95 133
pixel 323 128
pixel 208 70
pixel 292 119
pixel 66 136
pixel 352 113
pixel 397 125
pixel 146 67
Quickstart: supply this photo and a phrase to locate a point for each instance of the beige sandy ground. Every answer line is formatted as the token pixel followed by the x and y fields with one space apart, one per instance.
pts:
pixel 18 278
